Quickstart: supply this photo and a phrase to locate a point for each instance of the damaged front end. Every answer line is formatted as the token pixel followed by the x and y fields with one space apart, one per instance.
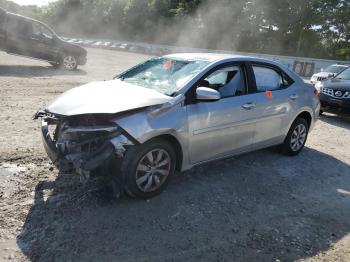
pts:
pixel 82 143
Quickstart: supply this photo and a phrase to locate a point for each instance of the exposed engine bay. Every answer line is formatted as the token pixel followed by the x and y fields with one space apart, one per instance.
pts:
pixel 82 143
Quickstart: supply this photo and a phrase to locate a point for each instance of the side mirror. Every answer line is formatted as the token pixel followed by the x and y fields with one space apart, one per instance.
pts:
pixel 207 94
pixel 331 75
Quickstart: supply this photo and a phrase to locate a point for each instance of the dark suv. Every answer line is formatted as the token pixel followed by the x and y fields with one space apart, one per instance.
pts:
pixel 24 36
pixel 335 93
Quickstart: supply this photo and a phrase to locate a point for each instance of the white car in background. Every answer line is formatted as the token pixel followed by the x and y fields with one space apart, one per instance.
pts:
pixel 329 72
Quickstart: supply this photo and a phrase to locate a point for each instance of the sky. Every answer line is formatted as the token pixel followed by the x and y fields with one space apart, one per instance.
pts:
pixel 33 2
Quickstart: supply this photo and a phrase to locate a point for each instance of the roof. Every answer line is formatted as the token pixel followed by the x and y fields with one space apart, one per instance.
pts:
pixel 204 56
pixel 214 57
pixel 217 57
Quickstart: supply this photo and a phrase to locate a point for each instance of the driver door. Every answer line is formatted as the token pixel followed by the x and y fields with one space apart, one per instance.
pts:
pixel 41 42
pixel 226 126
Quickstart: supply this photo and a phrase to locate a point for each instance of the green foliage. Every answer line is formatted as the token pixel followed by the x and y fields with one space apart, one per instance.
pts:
pixel 31 11
pixel 317 28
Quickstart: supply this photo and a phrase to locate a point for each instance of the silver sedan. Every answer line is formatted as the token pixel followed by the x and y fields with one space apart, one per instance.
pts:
pixel 174 112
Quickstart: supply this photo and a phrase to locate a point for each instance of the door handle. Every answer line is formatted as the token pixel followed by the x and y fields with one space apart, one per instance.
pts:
pixel 293 96
pixel 248 106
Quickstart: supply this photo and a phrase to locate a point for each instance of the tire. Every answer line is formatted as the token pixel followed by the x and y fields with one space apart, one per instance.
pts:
pixel 140 175
pixel 298 132
pixel 69 62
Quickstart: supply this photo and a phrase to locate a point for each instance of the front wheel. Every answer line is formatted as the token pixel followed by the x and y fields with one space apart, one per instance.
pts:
pixel 296 137
pixel 69 62
pixel 147 168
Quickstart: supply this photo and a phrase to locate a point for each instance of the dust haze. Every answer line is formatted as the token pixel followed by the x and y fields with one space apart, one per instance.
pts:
pixel 307 28
pixel 264 26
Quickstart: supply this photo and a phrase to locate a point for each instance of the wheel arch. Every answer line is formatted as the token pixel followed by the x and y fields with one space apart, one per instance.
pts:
pixel 176 145
pixel 62 52
pixel 307 116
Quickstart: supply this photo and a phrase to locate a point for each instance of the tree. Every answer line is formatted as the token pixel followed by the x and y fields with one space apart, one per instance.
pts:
pixel 318 28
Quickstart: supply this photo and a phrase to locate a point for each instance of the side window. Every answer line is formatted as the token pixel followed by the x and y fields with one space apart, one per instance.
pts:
pixel 41 31
pixel 12 24
pixel 18 27
pixel 267 79
pixel 286 80
pixel 228 81
pixel 218 78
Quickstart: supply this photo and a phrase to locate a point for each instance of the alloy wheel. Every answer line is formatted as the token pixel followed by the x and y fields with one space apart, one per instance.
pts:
pixel 153 170
pixel 69 62
pixel 298 137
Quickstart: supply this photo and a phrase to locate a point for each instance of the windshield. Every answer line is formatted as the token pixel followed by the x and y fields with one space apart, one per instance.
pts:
pixel 165 75
pixel 335 69
pixel 344 75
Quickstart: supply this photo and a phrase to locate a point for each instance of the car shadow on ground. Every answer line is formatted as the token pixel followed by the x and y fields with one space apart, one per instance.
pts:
pixel 256 207
pixel 341 120
pixel 35 71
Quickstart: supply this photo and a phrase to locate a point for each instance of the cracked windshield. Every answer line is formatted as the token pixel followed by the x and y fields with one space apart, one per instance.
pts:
pixel 164 75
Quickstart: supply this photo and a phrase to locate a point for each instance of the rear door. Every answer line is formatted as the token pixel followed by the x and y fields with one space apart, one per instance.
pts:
pixel 276 98
pixel 18 33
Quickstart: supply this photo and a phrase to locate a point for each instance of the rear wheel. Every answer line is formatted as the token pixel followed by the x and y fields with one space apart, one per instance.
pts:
pixel 296 137
pixel 147 168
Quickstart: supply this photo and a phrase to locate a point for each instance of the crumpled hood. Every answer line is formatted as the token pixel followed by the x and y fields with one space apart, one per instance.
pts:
pixel 336 83
pixel 107 97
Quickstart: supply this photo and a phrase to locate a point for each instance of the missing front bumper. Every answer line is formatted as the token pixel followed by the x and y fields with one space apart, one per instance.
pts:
pixel 84 162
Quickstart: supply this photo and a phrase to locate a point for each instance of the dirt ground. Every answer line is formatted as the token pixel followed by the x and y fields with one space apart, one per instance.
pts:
pixel 256 207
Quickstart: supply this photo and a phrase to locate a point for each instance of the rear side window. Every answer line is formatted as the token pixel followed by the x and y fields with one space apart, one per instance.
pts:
pixel 18 26
pixel 270 79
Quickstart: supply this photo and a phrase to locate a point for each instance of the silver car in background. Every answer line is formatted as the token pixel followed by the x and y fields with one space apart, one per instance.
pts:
pixel 175 112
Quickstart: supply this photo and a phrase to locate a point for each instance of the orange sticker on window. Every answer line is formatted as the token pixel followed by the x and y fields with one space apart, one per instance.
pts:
pixel 168 64
pixel 268 94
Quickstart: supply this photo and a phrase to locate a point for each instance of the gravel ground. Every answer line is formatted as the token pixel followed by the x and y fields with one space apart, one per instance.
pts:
pixel 256 207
